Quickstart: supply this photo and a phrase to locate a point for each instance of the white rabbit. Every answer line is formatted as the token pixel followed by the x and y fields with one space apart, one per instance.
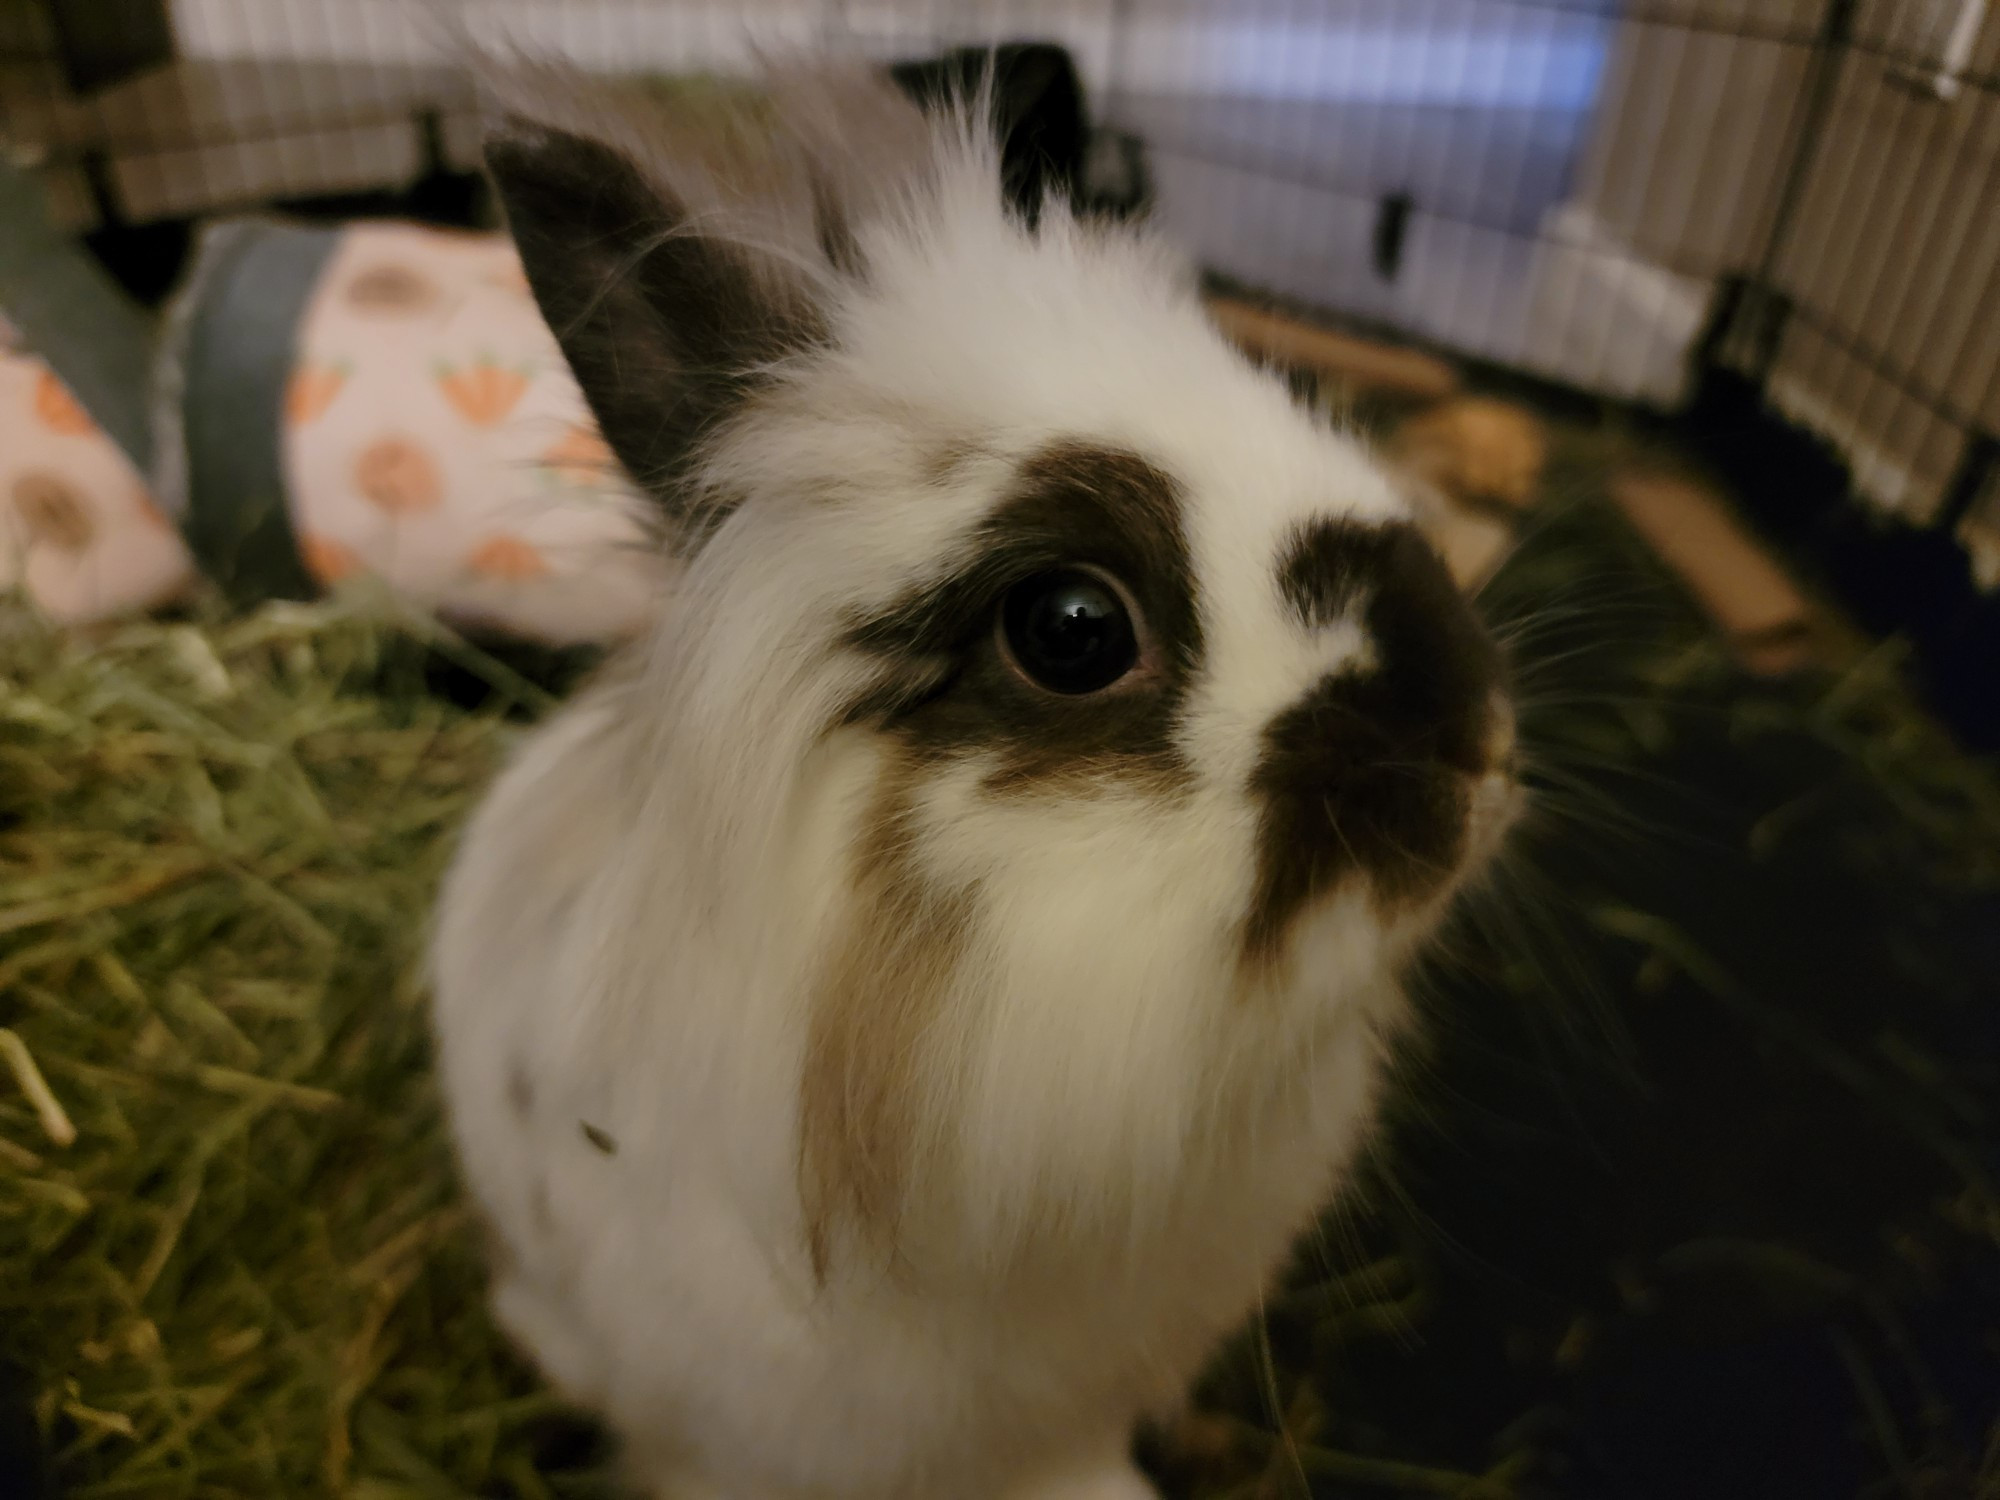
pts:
pixel 898 1019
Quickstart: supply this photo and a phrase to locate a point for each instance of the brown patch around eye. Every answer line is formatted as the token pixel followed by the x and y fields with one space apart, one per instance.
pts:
pixel 879 998
pixel 945 688
pixel 1369 772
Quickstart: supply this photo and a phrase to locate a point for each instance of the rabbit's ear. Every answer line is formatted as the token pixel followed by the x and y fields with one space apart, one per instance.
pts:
pixel 680 247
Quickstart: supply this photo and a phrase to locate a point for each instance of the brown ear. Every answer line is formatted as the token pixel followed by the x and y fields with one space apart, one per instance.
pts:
pixel 662 324
pixel 678 255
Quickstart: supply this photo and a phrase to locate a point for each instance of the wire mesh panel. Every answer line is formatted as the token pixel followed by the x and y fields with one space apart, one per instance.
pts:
pixel 1885 276
pixel 1611 194
pixel 1394 162
pixel 267 100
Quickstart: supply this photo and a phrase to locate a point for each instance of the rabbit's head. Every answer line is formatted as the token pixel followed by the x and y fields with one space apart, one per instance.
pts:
pixel 1063 733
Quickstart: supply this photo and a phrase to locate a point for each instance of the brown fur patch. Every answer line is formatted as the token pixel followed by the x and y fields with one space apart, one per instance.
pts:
pixel 946 688
pixel 946 460
pixel 1328 565
pixel 1369 773
pixel 858 1092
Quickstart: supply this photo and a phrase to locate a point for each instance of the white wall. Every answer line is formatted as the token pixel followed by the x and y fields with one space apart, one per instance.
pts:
pixel 1449 52
pixel 628 35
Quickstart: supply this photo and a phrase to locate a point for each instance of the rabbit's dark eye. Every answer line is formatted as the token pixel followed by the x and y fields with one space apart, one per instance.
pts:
pixel 1069 631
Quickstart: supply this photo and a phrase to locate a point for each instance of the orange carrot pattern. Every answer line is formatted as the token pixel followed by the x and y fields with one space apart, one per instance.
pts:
pixel 329 561
pixel 399 476
pixel 59 411
pixel 581 455
pixel 511 279
pixel 483 393
pixel 311 392
pixel 508 558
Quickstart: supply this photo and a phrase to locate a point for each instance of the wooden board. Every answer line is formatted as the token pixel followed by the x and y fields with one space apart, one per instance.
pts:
pixel 1691 529
pixel 1360 362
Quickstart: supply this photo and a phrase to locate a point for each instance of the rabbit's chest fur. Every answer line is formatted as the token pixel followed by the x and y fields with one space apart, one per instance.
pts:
pixel 640 1183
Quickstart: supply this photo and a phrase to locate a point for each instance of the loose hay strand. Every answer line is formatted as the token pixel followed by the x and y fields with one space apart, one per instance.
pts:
pixel 54 1118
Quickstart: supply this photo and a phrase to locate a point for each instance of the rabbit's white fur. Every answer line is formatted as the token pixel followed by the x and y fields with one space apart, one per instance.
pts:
pixel 1117 1125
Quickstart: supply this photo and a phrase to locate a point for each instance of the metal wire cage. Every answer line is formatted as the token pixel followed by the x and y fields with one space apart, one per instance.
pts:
pixel 1624 197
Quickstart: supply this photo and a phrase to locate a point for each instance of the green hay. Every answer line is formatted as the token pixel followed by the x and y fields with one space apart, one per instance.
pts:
pixel 250 1273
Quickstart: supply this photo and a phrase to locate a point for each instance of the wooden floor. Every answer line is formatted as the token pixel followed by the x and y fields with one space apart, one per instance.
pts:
pixel 1477 459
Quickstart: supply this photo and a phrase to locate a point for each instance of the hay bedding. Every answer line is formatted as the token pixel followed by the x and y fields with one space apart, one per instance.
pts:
pixel 248 1274
pixel 1696 1087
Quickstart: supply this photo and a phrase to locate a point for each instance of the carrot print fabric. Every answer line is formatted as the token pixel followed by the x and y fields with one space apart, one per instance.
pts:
pixel 433 440
pixel 436 441
pixel 80 533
